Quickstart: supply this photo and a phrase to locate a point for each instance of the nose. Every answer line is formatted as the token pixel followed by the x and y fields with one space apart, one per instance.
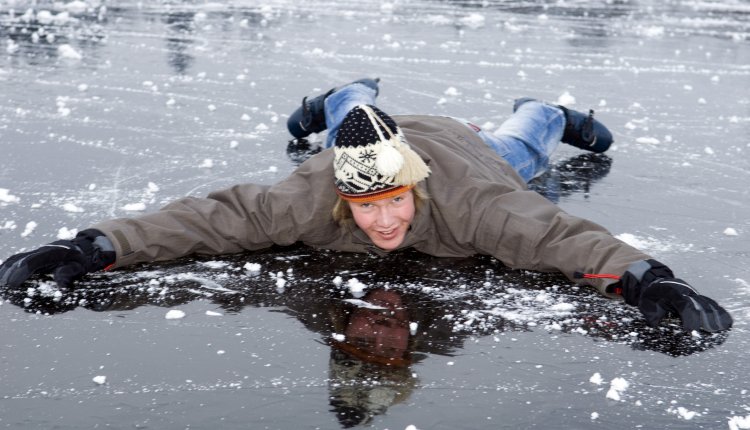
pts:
pixel 385 217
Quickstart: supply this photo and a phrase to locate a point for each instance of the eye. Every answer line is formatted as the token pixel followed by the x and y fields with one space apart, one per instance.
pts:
pixel 398 199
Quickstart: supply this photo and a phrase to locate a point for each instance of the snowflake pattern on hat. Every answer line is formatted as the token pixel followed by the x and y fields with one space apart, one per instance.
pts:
pixel 372 157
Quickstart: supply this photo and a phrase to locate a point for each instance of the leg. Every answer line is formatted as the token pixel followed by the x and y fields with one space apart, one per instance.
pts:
pixel 310 117
pixel 528 138
pixel 338 104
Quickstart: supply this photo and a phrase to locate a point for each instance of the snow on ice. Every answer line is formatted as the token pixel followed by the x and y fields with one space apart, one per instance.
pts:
pixel 616 387
pixel 99 379
pixel 7 197
pixel 174 314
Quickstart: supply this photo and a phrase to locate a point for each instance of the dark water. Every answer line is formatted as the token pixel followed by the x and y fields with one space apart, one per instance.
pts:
pixel 121 107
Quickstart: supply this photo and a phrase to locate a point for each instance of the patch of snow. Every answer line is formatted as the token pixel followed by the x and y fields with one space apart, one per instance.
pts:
pixel 252 267
pixel 596 378
pixel 134 207
pixel 67 51
pixel 729 231
pixel 7 197
pixel 99 379
pixel 66 234
pixel 174 314
pixel 30 226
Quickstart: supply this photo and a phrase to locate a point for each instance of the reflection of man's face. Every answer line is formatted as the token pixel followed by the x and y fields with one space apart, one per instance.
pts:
pixel 380 332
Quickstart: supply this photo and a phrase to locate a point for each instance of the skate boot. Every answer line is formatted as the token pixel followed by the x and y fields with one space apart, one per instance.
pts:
pixel 310 117
pixel 581 130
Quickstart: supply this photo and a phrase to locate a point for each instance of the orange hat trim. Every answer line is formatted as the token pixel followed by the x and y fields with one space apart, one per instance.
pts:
pixel 378 195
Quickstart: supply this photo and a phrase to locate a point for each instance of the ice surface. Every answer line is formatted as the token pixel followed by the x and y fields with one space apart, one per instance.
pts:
pixel 103 102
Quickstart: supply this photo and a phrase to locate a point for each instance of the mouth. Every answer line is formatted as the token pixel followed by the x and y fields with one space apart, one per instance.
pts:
pixel 388 234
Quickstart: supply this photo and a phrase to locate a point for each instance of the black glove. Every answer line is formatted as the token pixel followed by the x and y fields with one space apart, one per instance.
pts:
pixel 67 260
pixel 657 292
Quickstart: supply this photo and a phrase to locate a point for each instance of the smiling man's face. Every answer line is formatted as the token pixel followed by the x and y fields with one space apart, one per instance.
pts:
pixel 385 221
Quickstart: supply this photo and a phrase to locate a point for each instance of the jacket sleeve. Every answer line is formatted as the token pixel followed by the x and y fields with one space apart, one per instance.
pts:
pixel 525 230
pixel 243 217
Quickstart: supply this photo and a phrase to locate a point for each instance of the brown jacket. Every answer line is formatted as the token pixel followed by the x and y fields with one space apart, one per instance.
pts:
pixel 478 205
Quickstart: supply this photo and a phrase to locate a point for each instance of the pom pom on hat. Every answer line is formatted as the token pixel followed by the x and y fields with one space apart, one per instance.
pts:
pixel 372 159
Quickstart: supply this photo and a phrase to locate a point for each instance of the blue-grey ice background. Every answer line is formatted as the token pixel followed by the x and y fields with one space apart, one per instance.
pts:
pixel 113 109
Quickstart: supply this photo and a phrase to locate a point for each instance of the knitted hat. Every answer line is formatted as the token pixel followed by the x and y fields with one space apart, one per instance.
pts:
pixel 372 159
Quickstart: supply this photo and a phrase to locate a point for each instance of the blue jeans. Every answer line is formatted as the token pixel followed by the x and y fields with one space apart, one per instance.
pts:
pixel 526 140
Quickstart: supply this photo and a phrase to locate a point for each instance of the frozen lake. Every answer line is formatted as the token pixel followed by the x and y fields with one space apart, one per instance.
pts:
pixel 112 110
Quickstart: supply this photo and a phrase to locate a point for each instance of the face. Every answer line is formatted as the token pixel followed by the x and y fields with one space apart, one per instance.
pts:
pixel 385 221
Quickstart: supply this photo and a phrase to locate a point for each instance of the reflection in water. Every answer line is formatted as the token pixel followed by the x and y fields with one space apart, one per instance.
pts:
pixel 42 35
pixel 573 175
pixel 369 365
pixel 180 27
pixel 416 306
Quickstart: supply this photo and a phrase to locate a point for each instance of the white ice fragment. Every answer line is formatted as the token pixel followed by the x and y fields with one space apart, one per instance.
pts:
pixel 654 31
pixel 594 415
pixel 566 99
pixel 261 127
pixel 729 231
pixel 355 287
pixel 596 378
pixel 30 226
pixel 212 107
pixel 174 314
pixel 708 150
pixel 280 283
pixel 220 352
pixel 450 363
pixel 207 164
pixel 7 197
pixel 363 304
pixel 338 337
pixel 252 267
pixel 152 187
pixel 245 117
pixel 170 102
pixel 451 91
pixel 134 207
pixel 67 51
pixel 273 169
pixel 562 307
pixel 70 207
pixel 613 394
pixel 214 314
pixel 82 87
pixel 66 234
pixel 688 87
pixel 337 281
pixel 411 427
pixel 738 423
pixel 413 328
pixel 702 101
pixel 648 140
pixel 686 414
pixel 616 387
pixel 473 20
pixel 99 379
pixel 233 144
pixel 215 264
